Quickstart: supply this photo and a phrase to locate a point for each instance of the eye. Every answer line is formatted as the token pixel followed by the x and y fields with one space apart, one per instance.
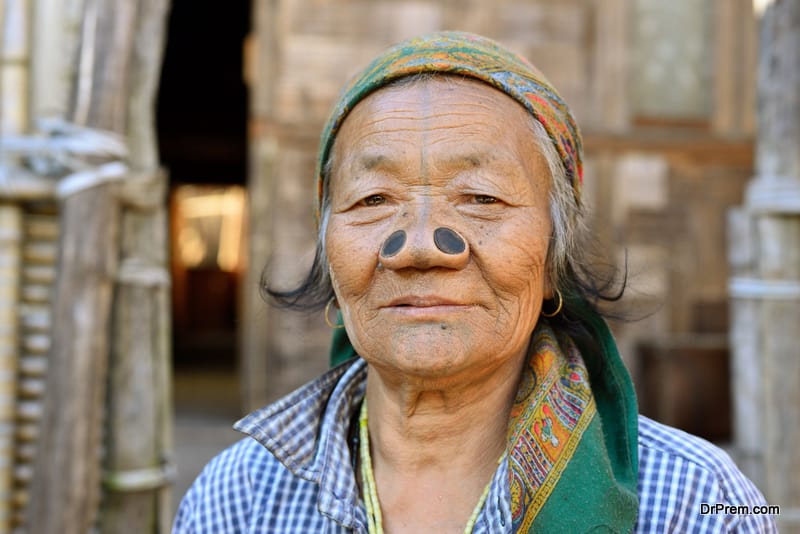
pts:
pixel 485 199
pixel 374 200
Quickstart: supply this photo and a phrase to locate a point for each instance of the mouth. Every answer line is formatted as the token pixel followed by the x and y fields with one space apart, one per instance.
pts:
pixel 422 302
pixel 426 308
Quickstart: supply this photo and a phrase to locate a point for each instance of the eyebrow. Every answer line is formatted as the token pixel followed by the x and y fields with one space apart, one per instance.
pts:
pixel 379 161
pixel 373 161
pixel 472 160
pixel 465 161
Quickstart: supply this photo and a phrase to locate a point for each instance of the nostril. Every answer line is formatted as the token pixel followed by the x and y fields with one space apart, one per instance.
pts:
pixel 393 244
pixel 448 241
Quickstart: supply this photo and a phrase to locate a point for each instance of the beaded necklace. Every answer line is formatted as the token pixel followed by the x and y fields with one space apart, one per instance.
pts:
pixel 373 506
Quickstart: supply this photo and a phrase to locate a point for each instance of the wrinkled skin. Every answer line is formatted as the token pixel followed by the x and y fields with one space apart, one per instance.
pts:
pixel 444 335
pixel 454 153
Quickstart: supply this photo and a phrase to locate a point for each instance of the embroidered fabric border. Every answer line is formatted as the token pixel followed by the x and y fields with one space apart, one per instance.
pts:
pixel 553 408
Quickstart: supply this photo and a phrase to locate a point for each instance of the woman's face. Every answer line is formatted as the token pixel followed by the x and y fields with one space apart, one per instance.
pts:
pixel 453 154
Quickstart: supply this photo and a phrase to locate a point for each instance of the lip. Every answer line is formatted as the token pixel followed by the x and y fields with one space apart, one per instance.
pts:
pixel 426 308
pixel 422 301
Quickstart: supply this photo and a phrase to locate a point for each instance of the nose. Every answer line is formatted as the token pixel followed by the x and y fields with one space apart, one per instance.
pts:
pixel 421 248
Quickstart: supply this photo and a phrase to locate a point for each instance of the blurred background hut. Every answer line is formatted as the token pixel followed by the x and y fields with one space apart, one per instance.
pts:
pixel 157 156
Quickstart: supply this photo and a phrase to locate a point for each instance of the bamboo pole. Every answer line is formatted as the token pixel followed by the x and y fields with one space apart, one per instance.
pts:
pixel 775 197
pixel 50 61
pixel 66 483
pixel 139 467
pixel 138 463
pixel 766 306
pixel 16 66
pixel 3 9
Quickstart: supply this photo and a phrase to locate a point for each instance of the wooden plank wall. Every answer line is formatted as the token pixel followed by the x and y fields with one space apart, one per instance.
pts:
pixel 303 54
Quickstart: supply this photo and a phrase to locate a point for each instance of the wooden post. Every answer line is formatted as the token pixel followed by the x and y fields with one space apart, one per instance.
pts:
pixel 254 367
pixel 612 106
pixel 766 304
pixel 66 489
pixel 255 331
pixel 138 463
pixel 138 466
pixel 734 54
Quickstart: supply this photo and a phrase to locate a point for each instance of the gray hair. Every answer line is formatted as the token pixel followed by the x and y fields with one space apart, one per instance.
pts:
pixel 566 213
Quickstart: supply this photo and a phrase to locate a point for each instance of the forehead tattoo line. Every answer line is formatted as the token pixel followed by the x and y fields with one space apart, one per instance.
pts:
pixel 427 92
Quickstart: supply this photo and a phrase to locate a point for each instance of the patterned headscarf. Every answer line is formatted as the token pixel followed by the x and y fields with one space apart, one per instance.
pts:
pixel 477 57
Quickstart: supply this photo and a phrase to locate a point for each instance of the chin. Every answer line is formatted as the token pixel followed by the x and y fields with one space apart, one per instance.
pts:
pixel 424 351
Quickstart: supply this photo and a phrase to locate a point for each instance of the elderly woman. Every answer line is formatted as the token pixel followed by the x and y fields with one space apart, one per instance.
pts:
pixel 482 391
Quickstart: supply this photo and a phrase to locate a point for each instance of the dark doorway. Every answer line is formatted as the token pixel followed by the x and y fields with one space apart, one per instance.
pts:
pixel 202 131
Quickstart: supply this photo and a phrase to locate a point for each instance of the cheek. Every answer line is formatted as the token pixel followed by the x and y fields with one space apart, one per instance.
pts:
pixel 352 259
pixel 521 275
pixel 514 255
pixel 513 264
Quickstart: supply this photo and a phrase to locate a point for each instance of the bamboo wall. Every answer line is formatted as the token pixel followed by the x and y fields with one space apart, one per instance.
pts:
pixel 10 264
pixel 39 246
pixel 658 187
pixel 27 262
pixel 82 258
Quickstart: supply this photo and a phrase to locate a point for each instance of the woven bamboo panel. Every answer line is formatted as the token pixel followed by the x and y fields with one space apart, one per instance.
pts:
pixel 10 259
pixel 39 256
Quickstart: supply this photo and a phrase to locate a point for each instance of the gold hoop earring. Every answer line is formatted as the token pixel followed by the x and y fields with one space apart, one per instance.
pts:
pixel 327 311
pixel 558 309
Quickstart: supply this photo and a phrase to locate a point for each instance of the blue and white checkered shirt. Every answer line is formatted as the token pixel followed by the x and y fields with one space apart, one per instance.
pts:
pixel 294 474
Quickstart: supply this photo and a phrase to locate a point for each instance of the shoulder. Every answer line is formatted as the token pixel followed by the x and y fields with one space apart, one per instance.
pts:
pixel 233 490
pixel 667 444
pixel 684 481
pixel 239 469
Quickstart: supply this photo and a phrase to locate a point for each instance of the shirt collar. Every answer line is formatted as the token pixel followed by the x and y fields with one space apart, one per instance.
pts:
pixel 307 432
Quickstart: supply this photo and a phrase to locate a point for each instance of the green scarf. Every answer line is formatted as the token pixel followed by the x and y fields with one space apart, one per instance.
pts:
pixel 572 441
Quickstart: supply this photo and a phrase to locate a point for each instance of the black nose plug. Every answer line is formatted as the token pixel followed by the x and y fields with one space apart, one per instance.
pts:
pixel 393 243
pixel 448 241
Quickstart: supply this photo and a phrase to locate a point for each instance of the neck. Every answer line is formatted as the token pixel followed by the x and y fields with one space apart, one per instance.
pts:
pixel 417 426
pixel 437 442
